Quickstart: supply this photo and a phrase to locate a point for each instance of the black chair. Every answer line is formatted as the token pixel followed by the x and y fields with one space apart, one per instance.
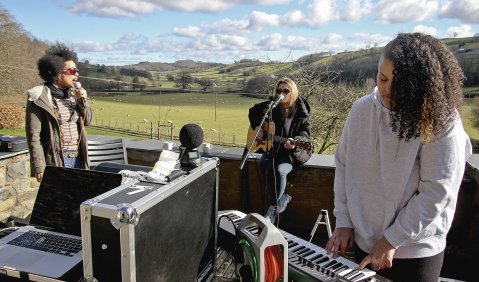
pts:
pixel 107 150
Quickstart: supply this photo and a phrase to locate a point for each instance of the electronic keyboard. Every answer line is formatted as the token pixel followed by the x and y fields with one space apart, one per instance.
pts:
pixel 306 261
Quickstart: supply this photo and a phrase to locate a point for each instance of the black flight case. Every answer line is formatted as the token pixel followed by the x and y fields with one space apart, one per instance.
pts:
pixel 144 231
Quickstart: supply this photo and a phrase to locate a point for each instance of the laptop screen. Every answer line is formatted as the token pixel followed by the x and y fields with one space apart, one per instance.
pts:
pixel 61 192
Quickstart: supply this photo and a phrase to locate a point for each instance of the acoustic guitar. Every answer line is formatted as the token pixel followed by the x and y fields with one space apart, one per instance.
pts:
pixel 263 144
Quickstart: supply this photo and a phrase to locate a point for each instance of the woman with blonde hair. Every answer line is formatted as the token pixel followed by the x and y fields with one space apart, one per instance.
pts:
pixel 289 121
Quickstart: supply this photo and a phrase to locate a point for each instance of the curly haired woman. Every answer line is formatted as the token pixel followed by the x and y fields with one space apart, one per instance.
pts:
pixel 57 113
pixel 400 162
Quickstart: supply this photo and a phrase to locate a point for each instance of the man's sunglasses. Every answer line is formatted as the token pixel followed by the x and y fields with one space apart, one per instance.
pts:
pixel 285 91
pixel 71 71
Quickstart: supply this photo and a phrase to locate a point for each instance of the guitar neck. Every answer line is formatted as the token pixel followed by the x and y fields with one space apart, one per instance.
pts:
pixel 300 144
pixel 277 138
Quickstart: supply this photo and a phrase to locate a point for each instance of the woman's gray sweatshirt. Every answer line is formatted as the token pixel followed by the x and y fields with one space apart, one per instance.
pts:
pixel 406 191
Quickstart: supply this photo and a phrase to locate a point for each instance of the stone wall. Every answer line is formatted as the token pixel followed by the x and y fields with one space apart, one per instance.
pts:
pixel 17 190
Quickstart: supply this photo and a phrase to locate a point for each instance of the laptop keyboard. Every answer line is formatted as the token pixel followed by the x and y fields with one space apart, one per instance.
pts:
pixel 48 242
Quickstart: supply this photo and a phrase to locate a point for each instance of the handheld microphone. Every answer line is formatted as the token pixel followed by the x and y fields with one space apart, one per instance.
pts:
pixel 278 100
pixel 77 85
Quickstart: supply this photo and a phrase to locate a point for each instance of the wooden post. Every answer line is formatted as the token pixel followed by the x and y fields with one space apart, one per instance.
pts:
pixel 159 135
pixel 151 130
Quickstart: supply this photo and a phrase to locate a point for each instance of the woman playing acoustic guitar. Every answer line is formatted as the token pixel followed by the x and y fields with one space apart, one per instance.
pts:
pixel 288 130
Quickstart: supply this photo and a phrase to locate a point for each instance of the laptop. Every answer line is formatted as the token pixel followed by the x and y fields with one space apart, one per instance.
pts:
pixel 51 244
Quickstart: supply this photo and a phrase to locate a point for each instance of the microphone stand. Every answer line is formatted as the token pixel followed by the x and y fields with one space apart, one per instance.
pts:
pixel 245 155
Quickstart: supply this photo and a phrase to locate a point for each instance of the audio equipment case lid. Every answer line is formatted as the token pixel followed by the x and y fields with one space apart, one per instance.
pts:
pixel 12 143
pixel 143 231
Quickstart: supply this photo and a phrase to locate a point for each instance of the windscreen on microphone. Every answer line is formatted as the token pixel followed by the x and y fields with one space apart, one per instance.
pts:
pixel 191 136
pixel 77 84
pixel 277 100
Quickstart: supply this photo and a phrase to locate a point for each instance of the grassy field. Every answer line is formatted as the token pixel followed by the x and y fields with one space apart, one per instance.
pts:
pixel 222 116
pixel 469 117
pixel 230 110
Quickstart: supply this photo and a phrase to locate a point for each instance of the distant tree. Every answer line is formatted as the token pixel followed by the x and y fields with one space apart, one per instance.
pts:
pixel 101 68
pixel 205 84
pixel 117 84
pixel 170 77
pixel 135 72
pixel 135 83
pixel 184 79
pixel 19 52
pixel 261 84
pixel 330 103
pixel 242 83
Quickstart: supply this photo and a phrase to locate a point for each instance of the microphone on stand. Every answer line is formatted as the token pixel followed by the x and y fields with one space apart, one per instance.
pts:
pixel 278 100
pixel 77 85
pixel 191 137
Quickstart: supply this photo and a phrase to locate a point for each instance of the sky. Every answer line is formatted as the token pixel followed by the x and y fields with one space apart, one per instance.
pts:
pixel 123 32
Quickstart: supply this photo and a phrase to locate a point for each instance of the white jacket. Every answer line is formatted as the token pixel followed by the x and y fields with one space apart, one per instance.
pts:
pixel 406 191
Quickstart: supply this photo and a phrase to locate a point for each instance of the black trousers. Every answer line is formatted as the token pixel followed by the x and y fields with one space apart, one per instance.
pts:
pixel 425 269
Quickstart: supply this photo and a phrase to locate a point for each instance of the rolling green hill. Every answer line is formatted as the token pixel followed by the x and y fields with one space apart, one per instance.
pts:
pixel 352 65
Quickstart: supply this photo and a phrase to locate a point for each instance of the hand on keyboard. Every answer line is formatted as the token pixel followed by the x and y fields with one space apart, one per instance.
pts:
pixel 340 242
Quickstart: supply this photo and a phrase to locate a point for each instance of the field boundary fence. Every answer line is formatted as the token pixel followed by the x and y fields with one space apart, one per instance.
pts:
pixel 161 131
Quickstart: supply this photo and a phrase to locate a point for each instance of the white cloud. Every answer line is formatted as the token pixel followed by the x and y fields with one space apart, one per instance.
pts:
pixel 465 10
pixel 426 29
pixel 354 10
pixel 190 31
pixel 292 18
pixel 112 8
pixel 387 11
pixel 260 20
pixel 460 31
pixel 231 47
pixel 333 38
pixel 90 46
pixel 226 26
pixel 133 8
pixel 229 39
pixel 298 43
pixel 321 11
pixel 369 39
pixel 217 42
pixel 271 42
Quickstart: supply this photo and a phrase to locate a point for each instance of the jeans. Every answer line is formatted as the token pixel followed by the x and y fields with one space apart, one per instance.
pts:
pixel 280 173
pixel 77 162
